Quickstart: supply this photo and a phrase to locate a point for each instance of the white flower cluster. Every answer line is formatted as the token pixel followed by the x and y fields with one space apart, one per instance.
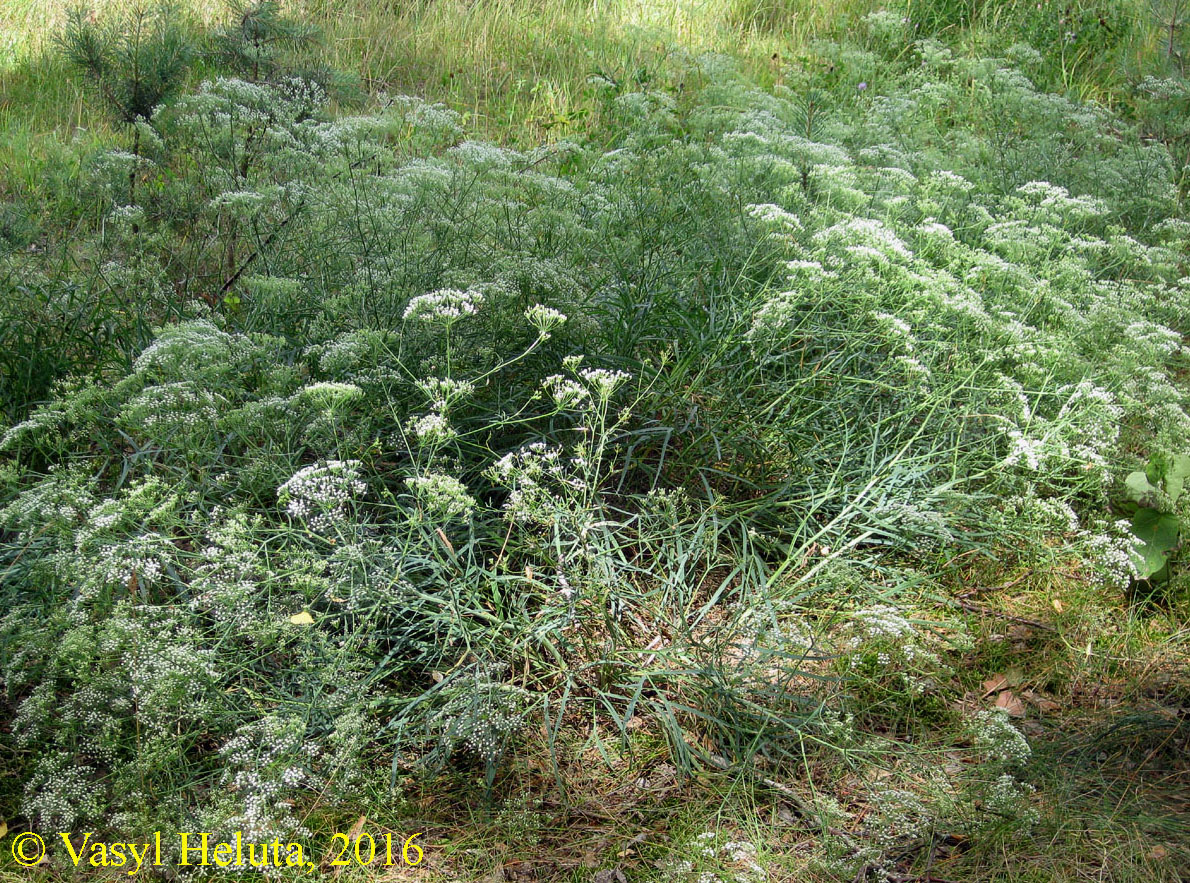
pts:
pixel 913 370
pixel 436 120
pixel 186 347
pixel 348 353
pixel 1010 798
pixel 898 816
pixel 486 735
pixel 444 306
pixel 737 860
pixel 1114 549
pixel 141 506
pixel 441 496
pixel 62 792
pixel 947 182
pixel 1051 202
pixel 182 406
pixel 482 716
pixel 567 394
pixel 320 492
pixel 481 154
pixel 1025 451
pixel 777 313
pixel 125 217
pixel 923 525
pixel 133 562
pixel 327 394
pixel 763 640
pixel 544 319
pixel 1158 339
pixel 882 633
pixel 881 621
pixel 859 233
pixel 431 429
pixel 529 474
pixel 895 327
pixel 997 738
pixel 886 25
pixel 55 505
pixel 603 382
pixel 443 392
pixel 1054 514
pixel 1006 750
pixel 266 761
pixel 935 232
pixel 774 215
pixel 166 667
pixel 44 422
pixel 230 572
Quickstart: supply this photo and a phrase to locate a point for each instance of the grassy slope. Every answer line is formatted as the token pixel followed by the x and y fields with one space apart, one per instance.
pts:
pixel 519 69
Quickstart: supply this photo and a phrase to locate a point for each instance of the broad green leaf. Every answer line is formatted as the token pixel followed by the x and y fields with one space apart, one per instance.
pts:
pixel 1159 534
pixel 1138 486
pixel 1176 473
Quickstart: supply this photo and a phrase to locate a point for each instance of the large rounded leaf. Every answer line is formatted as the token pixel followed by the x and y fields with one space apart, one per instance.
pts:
pixel 1158 534
pixel 1176 473
pixel 1139 487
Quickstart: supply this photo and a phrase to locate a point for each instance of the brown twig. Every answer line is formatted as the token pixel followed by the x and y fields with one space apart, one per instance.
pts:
pixel 979 590
pixel 972 607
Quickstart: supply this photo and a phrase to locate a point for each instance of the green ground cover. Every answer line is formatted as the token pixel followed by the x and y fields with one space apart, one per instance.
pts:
pixel 726 442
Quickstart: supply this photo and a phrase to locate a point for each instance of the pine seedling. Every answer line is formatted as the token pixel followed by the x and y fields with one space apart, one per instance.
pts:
pixel 136 62
pixel 262 44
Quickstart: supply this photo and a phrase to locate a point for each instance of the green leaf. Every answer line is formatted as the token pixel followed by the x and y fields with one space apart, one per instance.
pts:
pixel 1159 534
pixel 1139 487
pixel 1176 473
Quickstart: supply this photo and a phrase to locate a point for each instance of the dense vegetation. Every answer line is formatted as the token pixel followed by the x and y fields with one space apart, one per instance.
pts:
pixel 759 446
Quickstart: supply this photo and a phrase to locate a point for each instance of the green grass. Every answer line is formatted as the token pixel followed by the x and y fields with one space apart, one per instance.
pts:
pixel 759 594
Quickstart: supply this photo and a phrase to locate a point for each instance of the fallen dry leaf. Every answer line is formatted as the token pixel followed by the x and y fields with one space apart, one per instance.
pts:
pixel 1010 703
pixel 993 684
pixel 1043 703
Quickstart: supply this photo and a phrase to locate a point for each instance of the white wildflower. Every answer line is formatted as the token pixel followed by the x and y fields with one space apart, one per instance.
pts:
pixel 602 381
pixel 446 305
pixel 322 491
pixel 445 391
pixel 544 319
pixel 432 428
pixel 565 392
pixel 329 394
pixel 442 496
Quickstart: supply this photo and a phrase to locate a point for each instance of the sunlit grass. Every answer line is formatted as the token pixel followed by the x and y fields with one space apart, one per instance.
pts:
pixel 526 73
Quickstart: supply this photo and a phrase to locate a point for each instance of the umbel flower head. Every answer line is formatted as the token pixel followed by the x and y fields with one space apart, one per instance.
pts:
pixel 320 492
pixel 442 496
pixel 544 319
pixel 444 306
pixel 328 394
